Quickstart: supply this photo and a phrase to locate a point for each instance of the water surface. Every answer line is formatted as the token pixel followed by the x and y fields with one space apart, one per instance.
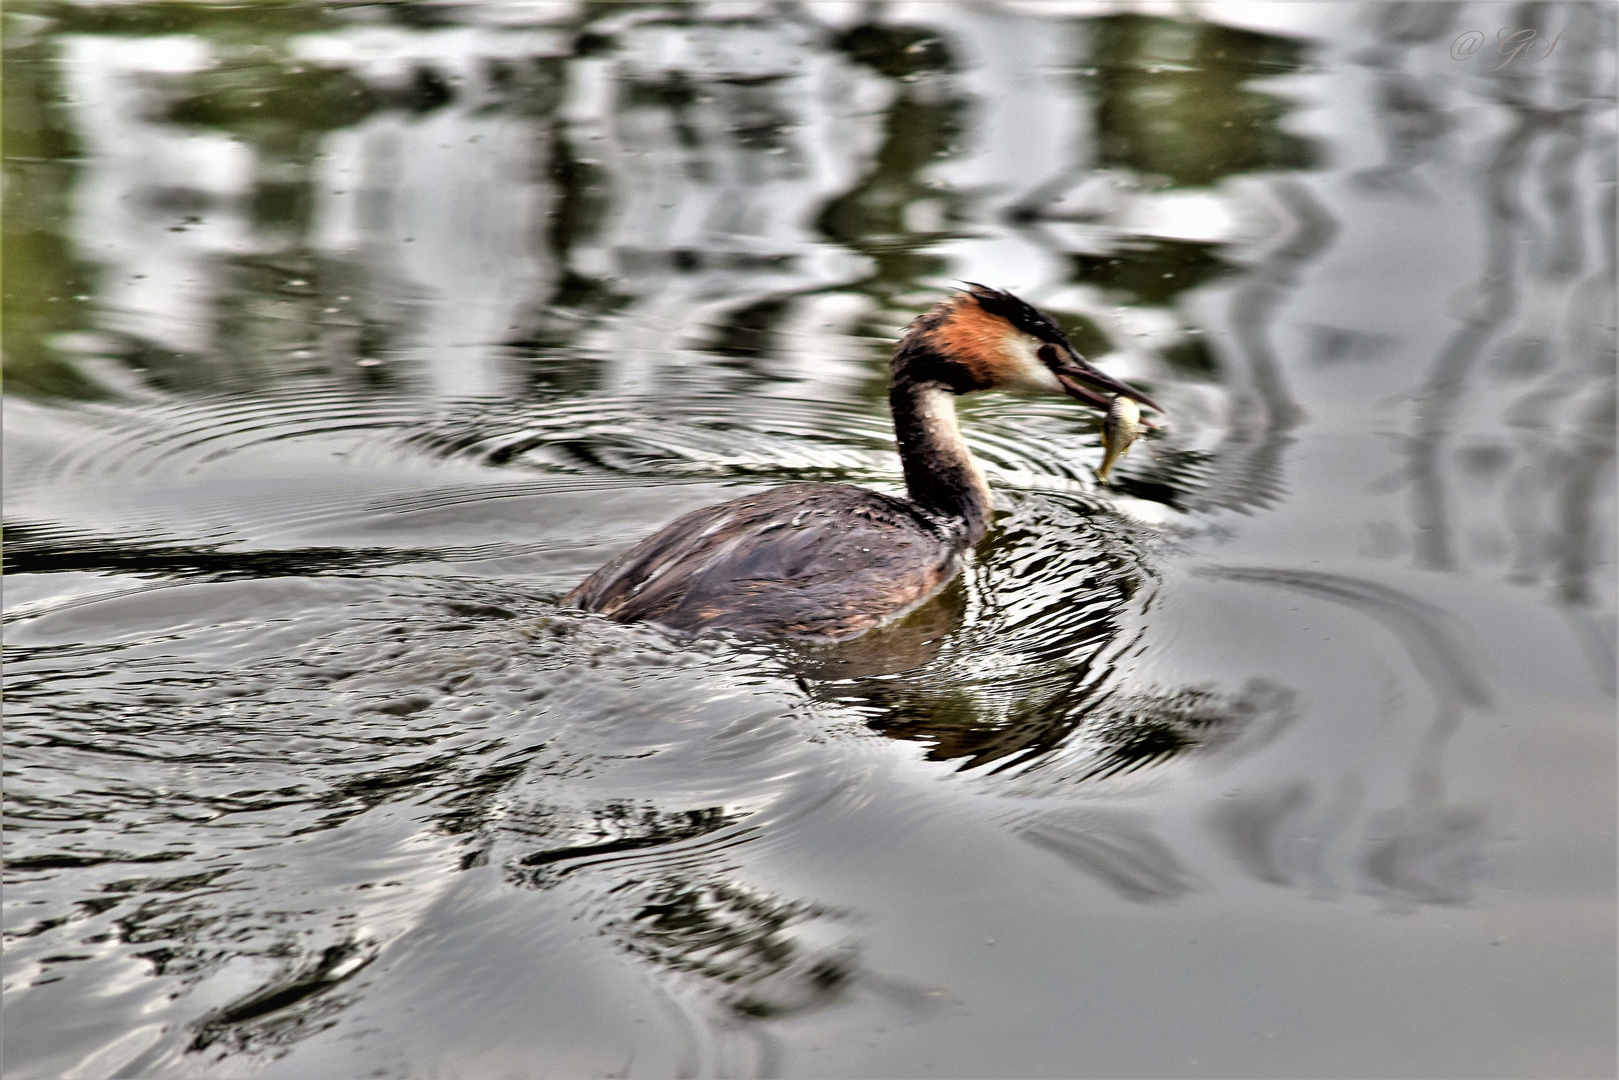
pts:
pixel 342 341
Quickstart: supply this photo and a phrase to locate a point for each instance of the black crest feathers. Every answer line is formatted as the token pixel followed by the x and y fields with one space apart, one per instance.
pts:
pixel 1025 317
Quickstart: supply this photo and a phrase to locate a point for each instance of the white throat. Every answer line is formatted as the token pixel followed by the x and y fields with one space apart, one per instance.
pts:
pixel 936 407
pixel 1030 371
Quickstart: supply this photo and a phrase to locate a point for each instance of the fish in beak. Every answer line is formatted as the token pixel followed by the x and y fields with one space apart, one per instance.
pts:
pixel 1120 427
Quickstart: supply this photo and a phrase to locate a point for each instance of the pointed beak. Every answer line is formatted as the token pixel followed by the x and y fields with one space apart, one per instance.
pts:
pixel 1084 383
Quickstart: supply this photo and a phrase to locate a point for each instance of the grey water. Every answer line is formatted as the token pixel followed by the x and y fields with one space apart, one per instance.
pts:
pixel 342 340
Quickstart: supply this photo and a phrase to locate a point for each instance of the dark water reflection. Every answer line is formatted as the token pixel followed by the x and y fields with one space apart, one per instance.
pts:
pixel 341 341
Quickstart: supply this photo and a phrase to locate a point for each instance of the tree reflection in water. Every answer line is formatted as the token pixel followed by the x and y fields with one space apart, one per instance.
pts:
pixel 582 270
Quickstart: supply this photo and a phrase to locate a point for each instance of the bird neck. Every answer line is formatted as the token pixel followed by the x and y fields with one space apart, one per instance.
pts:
pixel 940 473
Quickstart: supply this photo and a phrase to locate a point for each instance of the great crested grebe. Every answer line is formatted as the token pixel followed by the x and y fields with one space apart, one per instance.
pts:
pixel 832 560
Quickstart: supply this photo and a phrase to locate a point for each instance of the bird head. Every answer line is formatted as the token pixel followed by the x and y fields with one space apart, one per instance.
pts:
pixel 988 339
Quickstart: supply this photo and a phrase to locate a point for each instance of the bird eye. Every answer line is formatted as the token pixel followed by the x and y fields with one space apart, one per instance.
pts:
pixel 1048 355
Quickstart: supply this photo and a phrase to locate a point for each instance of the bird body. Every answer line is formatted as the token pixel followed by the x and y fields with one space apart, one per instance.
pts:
pixel 804 560
pixel 833 561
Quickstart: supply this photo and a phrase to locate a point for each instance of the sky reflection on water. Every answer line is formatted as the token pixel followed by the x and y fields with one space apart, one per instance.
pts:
pixel 341 341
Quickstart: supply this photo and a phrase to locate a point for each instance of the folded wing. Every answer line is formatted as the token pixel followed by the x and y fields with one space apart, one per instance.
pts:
pixel 810 560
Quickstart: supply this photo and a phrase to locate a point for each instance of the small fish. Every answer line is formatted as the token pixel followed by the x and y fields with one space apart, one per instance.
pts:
pixel 1120 427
